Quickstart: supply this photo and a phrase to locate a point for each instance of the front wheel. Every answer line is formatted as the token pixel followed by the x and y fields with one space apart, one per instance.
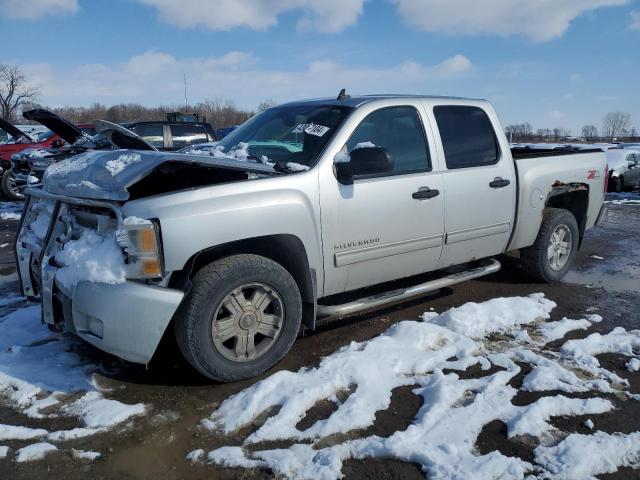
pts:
pixel 551 256
pixel 10 188
pixel 241 317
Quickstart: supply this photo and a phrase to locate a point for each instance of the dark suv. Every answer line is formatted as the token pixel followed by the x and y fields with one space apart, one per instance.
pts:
pixel 177 132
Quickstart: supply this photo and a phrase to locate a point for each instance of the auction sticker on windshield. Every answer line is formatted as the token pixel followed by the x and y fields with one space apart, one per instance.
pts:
pixel 311 129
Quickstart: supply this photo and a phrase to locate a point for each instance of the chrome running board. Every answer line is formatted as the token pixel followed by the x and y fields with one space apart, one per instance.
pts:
pixel 402 294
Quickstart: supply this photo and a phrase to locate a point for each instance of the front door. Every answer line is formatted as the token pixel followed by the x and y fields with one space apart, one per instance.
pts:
pixel 388 225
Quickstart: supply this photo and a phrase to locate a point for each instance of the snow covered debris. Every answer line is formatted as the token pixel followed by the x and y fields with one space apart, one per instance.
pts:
pixel 589 424
pixel 34 452
pixel 114 167
pixel 582 457
pixel 4 451
pixel 426 355
pixel 93 258
pixel 634 365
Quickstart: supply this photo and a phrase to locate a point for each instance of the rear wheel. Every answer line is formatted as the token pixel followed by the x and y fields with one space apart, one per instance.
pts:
pixel 551 256
pixel 9 187
pixel 241 317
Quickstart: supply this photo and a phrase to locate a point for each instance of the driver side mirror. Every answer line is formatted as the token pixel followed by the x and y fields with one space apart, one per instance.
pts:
pixel 364 161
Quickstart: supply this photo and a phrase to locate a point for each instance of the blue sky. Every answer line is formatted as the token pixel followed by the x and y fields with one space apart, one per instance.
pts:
pixel 553 63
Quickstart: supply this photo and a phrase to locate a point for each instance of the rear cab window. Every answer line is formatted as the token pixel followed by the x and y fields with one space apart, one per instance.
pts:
pixel 184 135
pixel 153 133
pixel 467 136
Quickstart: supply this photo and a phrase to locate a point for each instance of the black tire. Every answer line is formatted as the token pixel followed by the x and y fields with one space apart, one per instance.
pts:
pixel 211 285
pixel 9 189
pixel 617 184
pixel 535 259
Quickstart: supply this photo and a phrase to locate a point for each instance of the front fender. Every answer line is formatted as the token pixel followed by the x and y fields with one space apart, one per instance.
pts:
pixel 196 220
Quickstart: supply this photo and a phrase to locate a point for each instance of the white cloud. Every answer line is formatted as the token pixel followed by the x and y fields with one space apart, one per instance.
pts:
pixel 540 20
pixel 328 16
pixel 635 20
pixel 555 116
pixel 156 77
pixel 35 9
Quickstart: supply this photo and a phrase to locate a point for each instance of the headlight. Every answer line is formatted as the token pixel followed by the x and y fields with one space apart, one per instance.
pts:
pixel 140 242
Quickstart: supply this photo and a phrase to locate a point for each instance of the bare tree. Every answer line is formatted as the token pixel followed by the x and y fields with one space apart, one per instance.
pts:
pixel 616 124
pixel 266 105
pixel 14 90
pixel 519 132
pixel 590 133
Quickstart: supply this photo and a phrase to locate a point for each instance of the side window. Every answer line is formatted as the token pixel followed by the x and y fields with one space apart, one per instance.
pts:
pixel 467 137
pixel 400 131
pixel 152 133
pixel 185 135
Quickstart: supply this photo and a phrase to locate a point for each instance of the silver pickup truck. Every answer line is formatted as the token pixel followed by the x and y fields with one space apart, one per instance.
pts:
pixel 310 209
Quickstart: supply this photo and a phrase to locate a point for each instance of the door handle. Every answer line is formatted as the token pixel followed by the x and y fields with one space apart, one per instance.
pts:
pixel 499 182
pixel 425 193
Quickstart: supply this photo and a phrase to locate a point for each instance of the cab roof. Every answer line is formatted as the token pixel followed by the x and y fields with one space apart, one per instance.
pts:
pixel 358 100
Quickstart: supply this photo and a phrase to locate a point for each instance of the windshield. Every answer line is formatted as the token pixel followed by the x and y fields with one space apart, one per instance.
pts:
pixel 293 136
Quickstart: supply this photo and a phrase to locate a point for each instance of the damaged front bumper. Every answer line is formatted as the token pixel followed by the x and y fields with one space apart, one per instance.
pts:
pixel 126 319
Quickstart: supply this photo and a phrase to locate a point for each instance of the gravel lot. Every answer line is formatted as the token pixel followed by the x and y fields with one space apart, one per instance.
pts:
pixel 605 280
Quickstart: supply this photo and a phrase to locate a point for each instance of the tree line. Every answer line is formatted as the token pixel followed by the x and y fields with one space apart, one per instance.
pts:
pixel 616 126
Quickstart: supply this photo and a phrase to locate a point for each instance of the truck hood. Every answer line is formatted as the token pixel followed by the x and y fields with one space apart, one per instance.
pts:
pixel 113 174
pixel 120 137
pixel 65 129
pixel 15 132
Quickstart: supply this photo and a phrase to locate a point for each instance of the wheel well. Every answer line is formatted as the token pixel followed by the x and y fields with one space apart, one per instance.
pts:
pixel 287 250
pixel 574 198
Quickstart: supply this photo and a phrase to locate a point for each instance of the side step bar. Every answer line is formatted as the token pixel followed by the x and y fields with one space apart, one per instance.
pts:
pixel 403 294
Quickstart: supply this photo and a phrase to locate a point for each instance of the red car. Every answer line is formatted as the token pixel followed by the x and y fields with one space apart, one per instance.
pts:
pixel 19 142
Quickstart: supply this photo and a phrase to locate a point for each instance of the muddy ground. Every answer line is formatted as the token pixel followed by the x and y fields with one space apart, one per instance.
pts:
pixel 606 276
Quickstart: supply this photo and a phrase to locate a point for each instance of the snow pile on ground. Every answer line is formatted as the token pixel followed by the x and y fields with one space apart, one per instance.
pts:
pixel 44 375
pixel 93 258
pixel 426 355
pixel 584 456
pixel 114 167
pixel 37 451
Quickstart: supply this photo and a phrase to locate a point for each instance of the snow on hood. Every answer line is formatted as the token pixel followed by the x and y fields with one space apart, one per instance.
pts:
pixel 107 174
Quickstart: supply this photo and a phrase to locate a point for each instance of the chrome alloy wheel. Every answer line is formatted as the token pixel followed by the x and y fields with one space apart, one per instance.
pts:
pixel 247 322
pixel 560 245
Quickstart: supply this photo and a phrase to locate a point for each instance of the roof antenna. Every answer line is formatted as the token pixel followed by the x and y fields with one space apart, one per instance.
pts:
pixel 343 95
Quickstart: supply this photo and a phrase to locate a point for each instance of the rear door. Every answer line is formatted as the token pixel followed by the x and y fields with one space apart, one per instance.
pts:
pixel 479 183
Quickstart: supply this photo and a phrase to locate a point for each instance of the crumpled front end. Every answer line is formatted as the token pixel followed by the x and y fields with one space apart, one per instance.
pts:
pixel 70 259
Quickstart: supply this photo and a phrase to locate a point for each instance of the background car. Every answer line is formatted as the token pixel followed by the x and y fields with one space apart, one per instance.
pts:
pixel 624 168
pixel 177 132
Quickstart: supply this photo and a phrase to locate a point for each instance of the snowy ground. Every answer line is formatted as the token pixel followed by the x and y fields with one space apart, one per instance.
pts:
pixel 507 386
pixel 499 336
